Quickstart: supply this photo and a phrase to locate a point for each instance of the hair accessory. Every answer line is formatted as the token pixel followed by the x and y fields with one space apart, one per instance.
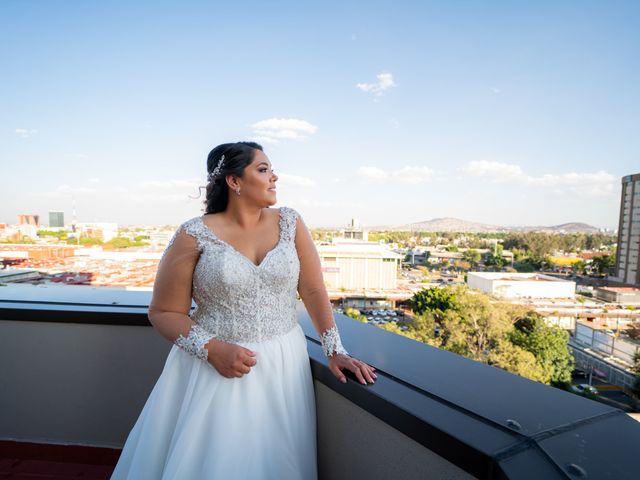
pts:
pixel 216 171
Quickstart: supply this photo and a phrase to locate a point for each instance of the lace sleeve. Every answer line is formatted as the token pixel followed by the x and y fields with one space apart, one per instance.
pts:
pixel 331 343
pixel 194 343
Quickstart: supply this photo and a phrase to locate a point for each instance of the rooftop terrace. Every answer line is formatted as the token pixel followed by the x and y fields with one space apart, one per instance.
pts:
pixel 75 379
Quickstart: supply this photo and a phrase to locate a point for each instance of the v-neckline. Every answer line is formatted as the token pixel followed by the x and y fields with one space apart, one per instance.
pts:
pixel 233 249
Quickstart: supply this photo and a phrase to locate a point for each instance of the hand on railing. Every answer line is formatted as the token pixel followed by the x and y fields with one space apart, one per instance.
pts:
pixel 362 371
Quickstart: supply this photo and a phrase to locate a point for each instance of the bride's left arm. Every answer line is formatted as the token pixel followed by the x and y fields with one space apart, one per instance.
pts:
pixel 314 295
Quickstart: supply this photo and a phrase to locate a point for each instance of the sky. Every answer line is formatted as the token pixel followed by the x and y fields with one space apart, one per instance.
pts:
pixel 500 112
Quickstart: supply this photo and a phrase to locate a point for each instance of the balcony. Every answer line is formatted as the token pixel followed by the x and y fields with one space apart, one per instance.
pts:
pixel 79 363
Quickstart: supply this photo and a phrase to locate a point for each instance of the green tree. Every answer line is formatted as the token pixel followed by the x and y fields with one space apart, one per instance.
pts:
pixel 636 371
pixel 603 263
pixel 88 241
pixel 472 327
pixel 472 256
pixel 435 300
pixel 355 314
pixel 422 328
pixel 516 360
pixel 549 344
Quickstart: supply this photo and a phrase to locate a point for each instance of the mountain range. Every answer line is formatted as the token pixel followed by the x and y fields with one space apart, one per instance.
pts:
pixel 449 224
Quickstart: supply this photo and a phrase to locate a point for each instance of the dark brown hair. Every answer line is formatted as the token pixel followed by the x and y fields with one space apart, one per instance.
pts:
pixel 236 158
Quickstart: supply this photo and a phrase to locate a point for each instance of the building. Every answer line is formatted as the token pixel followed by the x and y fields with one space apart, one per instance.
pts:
pixel 105 231
pixel 29 219
pixel 359 265
pixel 354 231
pixel 56 219
pixel 521 285
pixel 628 256
pixel 623 295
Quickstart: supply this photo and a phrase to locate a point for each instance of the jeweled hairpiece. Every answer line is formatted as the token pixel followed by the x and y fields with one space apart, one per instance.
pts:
pixel 216 171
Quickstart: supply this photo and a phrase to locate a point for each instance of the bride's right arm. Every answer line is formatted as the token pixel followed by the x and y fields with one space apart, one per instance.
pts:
pixel 171 299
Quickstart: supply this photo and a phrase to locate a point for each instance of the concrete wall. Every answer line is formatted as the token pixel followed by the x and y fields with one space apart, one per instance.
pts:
pixel 75 383
pixel 381 453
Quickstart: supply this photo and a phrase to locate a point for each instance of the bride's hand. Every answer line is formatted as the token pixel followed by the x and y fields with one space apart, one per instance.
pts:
pixel 229 359
pixel 338 362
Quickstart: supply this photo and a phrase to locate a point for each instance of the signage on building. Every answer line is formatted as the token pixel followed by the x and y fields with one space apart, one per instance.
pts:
pixel 331 269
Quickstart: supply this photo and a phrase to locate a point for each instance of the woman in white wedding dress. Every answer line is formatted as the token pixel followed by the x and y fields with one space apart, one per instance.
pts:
pixel 235 399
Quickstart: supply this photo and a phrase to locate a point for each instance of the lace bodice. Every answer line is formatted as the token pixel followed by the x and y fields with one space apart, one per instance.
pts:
pixel 237 300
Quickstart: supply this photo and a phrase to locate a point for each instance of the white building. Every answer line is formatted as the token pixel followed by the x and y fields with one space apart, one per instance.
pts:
pixel 521 285
pixel 358 265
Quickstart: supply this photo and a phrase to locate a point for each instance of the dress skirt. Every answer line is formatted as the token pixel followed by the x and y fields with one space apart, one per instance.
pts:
pixel 197 424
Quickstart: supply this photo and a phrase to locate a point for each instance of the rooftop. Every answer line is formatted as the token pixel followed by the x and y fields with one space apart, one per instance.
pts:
pixel 79 378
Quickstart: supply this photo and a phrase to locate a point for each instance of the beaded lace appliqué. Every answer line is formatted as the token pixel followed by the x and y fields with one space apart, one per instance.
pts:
pixel 331 343
pixel 195 341
pixel 238 301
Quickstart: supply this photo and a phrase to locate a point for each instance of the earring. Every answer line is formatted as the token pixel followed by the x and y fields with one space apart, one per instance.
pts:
pixel 238 190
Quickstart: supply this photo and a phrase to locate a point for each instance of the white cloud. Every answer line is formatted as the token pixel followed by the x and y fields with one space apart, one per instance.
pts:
pixel 26 132
pixel 494 170
pixel 589 184
pixel 372 172
pixel 93 180
pixel 385 81
pixel 583 184
pixel 274 130
pixel 295 180
pixel 406 174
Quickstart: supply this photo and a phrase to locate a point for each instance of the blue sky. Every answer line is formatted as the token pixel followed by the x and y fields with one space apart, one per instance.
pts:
pixel 502 112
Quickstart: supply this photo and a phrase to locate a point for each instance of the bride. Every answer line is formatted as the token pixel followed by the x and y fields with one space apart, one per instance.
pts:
pixel 235 398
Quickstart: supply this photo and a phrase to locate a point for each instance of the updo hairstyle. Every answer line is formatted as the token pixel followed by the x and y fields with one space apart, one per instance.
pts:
pixel 236 158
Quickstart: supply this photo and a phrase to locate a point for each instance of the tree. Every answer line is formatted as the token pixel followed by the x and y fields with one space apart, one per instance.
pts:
pixel 549 344
pixel 516 360
pixel 634 330
pixel 636 371
pixel 473 327
pixel 579 267
pixel 422 328
pixel 392 327
pixel 602 264
pixel 472 256
pixel 355 314
pixel 435 300
pixel 495 260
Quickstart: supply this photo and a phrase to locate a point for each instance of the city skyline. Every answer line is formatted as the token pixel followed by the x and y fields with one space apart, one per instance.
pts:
pixel 496 113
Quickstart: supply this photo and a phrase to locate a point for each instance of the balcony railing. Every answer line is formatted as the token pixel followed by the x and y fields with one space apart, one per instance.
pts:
pixel 78 363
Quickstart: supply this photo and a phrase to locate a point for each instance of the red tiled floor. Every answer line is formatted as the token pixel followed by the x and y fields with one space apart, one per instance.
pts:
pixel 33 461
pixel 36 469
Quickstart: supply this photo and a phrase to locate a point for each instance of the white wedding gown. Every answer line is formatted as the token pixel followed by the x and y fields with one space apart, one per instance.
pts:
pixel 197 424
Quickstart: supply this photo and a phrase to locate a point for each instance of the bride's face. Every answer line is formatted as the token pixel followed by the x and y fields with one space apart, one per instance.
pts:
pixel 259 180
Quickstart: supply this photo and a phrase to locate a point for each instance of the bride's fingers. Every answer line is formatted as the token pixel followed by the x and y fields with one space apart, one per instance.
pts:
pixel 366 370
pixel 356 369
pixel 338 373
